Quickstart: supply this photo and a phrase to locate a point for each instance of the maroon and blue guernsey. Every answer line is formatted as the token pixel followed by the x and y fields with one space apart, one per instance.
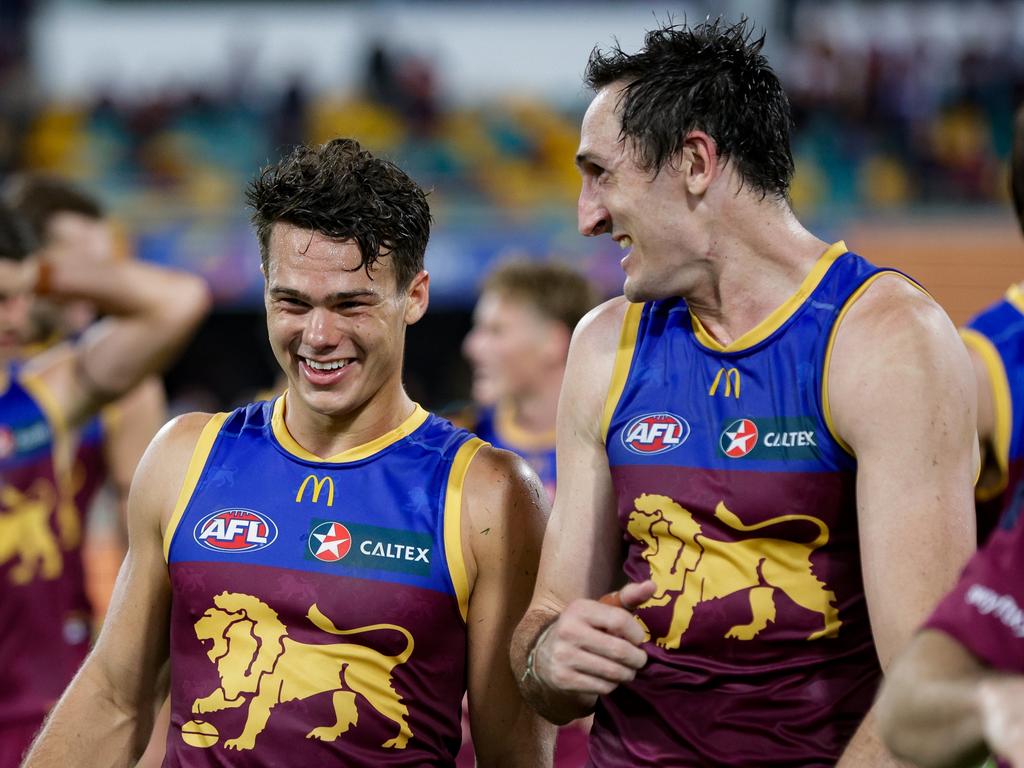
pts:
pixel 318 609
pixel 42 643
pixel 736 497
pixel 996 335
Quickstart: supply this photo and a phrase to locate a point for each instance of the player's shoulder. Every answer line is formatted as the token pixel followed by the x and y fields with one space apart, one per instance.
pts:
pixel 601 327
pixel 497 478
pixel 177 440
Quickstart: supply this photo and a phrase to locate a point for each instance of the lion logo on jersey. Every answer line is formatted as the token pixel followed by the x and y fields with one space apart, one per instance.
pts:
pixel 689 567
pixel 259 665
pixel 26 535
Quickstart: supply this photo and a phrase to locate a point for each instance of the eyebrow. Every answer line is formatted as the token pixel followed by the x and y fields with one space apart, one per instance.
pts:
pixel 366 293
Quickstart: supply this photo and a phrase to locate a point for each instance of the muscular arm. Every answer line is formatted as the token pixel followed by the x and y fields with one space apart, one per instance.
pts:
pixel 106 714
pixel 588 648
pixel 902 396
pixel 505 509
pixel 151 312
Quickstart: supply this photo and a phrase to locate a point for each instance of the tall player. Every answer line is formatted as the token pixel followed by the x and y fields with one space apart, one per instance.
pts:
pixel 340 563
pixel 995 338
pixel 769 442
pixel 522 325
pixel 71 223
pixel 150 313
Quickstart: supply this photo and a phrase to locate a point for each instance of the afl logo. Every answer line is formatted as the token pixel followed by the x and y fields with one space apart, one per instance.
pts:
pixel 655 433
pixel 235 530
pixel 739 438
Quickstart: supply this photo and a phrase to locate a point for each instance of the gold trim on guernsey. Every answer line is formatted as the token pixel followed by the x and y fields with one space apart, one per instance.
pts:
pixel 453 521
pixel 517 437
pixel 200 455
pixel 826 407
pixel 407 427
pixel 623 362
pixel 1015 296
pixel 1002 405
pixel 780 314
pixel 47 404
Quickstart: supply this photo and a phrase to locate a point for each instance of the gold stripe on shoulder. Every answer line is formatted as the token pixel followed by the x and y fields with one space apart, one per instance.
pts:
pixel 1015 296
pixel 200 455
pixel 825 404
pixel 1002 406
pixel 623 362
pixel 518 438
pixel 289 443
pixel 47 403
pixel 780 314
pixel 453 521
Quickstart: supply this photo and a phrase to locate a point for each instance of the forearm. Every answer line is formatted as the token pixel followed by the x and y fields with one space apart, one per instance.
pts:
pixel 91 727
pixel 557 706
pixel 866 749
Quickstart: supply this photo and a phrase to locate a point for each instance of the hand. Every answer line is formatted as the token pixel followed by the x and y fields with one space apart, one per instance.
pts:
pixel 1002 713
pixel 593 646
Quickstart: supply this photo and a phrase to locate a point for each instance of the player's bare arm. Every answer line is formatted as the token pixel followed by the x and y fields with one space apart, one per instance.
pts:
pixel 991 472
pixel 580 648
pixel 504 512
pixel 941 708
pixel 902 396
pixel 151 312
pixel 105 717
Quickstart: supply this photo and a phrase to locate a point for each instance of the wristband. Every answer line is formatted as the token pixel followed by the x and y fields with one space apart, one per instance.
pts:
pixel 529 671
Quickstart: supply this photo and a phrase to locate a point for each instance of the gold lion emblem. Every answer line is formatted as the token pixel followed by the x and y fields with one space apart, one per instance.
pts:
pixel 690 568
pixel 254 655
pixel 26 535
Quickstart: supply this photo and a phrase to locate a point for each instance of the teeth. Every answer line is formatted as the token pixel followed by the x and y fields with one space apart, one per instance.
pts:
pixel 626 242
pixel 331 366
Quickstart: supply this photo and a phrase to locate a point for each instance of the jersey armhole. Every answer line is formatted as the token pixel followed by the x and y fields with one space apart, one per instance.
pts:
pixel 826 407
pixel 1002 407
pixel 200 455
pixel 453 553
pixel 623 364
pixel 47 403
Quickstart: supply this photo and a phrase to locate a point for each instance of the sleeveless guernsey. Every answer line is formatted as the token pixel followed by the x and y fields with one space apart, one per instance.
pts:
pixel 318 606
pixel 737 498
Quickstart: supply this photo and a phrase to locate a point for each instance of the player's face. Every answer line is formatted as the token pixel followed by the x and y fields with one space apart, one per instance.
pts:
pixel 337 332
pixel 14 324
pixel 646 215
pixel 510 343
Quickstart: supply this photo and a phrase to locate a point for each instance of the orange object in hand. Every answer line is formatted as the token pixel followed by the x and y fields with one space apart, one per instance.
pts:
pixel 612 598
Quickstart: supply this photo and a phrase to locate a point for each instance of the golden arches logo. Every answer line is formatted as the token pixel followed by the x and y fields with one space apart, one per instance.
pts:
pixel 318 486
pixel 732 383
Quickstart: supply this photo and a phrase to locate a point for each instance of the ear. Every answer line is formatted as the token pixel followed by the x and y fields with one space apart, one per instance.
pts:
pixel 417 297
pixel 700 162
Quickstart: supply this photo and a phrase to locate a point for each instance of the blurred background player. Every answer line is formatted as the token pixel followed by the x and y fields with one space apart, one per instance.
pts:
pixel 70 223
pixel 517 348
pixel 995 339
pixel 150 313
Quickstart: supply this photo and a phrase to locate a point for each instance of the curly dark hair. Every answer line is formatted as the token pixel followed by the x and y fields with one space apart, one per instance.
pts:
pixel 38 198
pixel 342 191
pixel 712 77
pixel 16 240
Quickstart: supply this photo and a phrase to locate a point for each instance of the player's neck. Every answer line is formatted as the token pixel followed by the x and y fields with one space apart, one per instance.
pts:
pixel 756 266
pixel 534 412
pixel 326 435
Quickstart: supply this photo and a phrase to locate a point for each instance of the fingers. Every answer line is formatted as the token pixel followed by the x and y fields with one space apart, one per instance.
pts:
pixel 633 595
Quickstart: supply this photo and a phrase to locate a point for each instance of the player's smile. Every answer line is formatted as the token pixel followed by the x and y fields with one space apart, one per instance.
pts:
pixel 325 373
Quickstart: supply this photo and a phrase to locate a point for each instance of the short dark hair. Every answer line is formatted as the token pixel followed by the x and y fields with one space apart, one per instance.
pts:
pixel 16 240
pixel 556 291
pixel 38 198
pixel 711 77
pixel 342 191
pixel 1017 166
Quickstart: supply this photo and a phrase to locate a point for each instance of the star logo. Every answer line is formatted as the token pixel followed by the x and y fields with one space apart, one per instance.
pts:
pixel 330 542
pixel 739 438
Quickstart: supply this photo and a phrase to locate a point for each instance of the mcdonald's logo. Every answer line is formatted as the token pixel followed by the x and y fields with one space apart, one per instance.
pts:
pixel 318 486
pixel 732 383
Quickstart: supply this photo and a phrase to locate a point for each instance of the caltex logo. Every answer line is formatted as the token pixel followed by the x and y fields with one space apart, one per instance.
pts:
pixel 235 530
pixel 330 542
pixel 655 433
pixel 739 438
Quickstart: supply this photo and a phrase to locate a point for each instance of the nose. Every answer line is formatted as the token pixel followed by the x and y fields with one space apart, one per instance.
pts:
pixel 470 345
pixel 322 331
pixel 592 218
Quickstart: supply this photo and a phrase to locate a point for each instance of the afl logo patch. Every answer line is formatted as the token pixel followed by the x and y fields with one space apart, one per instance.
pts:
pixel 330 542
pixel 655 433
pixel 739 438
pixel 235 530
